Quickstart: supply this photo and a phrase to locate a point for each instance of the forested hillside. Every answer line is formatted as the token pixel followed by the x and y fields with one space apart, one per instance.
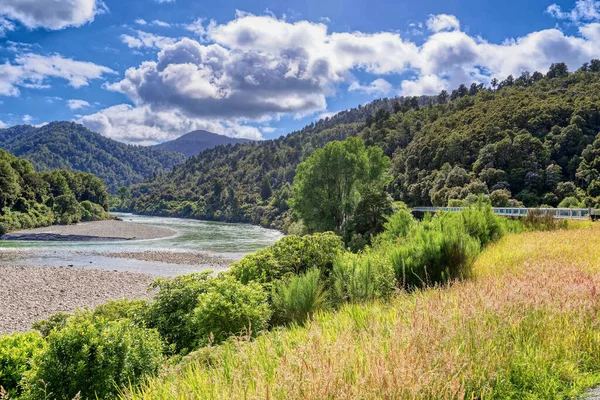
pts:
pixel 72 146
pixel 30 199
pixel 531 140
pixel 193 143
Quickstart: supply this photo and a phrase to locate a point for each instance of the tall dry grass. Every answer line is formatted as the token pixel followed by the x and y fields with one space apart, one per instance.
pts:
pixel 529 329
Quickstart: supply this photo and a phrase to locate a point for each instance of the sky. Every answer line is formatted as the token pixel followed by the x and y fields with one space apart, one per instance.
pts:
pixel 147 71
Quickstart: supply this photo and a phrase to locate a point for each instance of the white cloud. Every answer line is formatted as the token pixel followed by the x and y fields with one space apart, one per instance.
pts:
pixel 32 70
pixel 165 1
pixel 27 118
pixel 75 104
pixel 584 10
pixel 257 68
pixel 141 21
pixel 141 125
pixel 160 23
pixel 2 124
pixel 5 26
pixel 442 22
pixel 378 87
pixel 146 40
pixel 57 15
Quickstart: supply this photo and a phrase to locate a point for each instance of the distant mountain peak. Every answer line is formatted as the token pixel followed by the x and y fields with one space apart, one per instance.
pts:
pixel 193 143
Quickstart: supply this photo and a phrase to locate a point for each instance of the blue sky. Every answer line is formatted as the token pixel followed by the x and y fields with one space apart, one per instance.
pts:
pixel 145 71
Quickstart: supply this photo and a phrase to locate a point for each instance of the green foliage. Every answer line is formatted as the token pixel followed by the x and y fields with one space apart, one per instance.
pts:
pixel 297 298
pixel 67 145
pixel 55 321
pixel 94 357
pixel 435 252
pixel 172 308
pixel 362 277
pixel 229 307
pixel 331 184
pixel 527 138
pixel 570 202
pixel 290 255
pixel 16 352
pixel 114 310
pixel 398 225
pixel 29 199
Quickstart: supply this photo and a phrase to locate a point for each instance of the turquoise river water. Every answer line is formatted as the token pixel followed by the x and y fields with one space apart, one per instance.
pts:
pixel 230 241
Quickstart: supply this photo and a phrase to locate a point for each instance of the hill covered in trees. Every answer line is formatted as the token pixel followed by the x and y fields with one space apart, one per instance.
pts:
pixel 30 199
pixel 72 146
pixel 531 140
pixel 193 143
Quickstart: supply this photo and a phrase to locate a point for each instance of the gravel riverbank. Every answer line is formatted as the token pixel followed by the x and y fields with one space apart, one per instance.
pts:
pixel 170 257
pixel 30 294
pixel 92 231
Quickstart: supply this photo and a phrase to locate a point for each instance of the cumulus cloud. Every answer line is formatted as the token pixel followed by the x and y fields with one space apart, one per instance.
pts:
pixel 378 87
pixel 75 104
pixel 584 10
pixel 5 26
pixel 146 40
pixel 31 70
pixel 27 118
pixel 141 125
pixel 442 22
pixel 257 68
pixel 2 124
pixel 58 15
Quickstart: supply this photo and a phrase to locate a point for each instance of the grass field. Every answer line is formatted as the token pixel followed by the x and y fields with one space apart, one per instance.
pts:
pixel 526 327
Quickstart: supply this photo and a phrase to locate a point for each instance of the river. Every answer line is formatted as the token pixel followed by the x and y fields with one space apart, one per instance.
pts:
pixel 230 241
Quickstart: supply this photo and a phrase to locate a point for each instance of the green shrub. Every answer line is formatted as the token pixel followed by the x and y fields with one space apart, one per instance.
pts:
pixel 571 202
pixel 290 255
pixel 478 220
pixel 362 277
pixel 114 310
pixel 434 254
pixel 94 357
pixel 55 321
pixel 92 211
pixel 398 225
pixel 229 307
pixel 16 352
pixel 172 308
pixel 297 298
pixel 67 209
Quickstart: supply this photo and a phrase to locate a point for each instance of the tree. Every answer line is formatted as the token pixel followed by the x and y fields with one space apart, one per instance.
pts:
pixel 443 97
pixel 558 70
pixel 9 185
pixel 124 194
pixel 265 189
pixel 333 180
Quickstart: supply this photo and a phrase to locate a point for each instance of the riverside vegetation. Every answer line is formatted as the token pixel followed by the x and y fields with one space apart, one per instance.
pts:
pixel 307 318
pixel 530 140
pixel 30 199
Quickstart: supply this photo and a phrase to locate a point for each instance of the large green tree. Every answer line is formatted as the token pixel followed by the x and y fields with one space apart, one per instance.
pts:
pixel 330 184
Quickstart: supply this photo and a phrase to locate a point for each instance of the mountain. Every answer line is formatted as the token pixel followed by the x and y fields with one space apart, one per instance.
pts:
pixel 193 143
pixel 531 140
pixel 72 146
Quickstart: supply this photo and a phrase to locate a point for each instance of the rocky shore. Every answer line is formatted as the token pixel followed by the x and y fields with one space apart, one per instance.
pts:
pixel 170 257
pixel 30 294
pixel 92 231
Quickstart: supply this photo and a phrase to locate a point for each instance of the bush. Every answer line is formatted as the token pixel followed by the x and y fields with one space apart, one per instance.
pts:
pixel 228 308
pixel 479 221
pixel 362 277
pixel 55 321
pixel 290 255
pixel 16 352
pixel 434 254
pixel 171 311
pixel 94 357
pixel 571 202
pixel 297 298
pixel 114 310
pixel 398 225
pixel 67 209
pixel 92 211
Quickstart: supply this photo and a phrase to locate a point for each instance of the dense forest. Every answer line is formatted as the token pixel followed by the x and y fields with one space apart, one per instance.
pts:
pixel 30 199
pixel 72 146
pixel 531 140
